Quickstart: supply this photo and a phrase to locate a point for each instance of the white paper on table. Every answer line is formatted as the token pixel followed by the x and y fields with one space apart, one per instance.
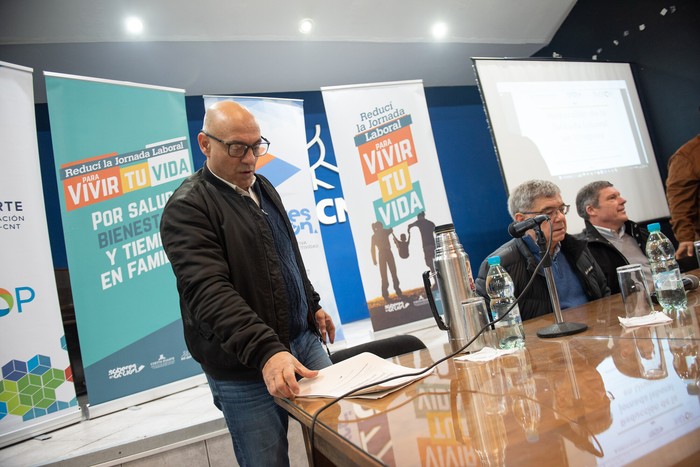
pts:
pixel 486 354
pixel 357 371
pixel 656 317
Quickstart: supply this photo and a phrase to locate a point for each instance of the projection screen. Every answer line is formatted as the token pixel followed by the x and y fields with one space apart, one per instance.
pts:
pixel 572 122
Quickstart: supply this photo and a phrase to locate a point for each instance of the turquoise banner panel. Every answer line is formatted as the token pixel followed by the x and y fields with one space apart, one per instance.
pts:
pixel 120 151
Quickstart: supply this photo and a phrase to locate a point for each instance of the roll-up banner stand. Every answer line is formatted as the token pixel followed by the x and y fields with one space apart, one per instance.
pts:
pixel 121 149
pixel 394 192
pixel 37 394
pixel 287 166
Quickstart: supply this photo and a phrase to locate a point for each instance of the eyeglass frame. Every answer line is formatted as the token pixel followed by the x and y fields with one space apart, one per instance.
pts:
pixel 251 147
pixel 563 209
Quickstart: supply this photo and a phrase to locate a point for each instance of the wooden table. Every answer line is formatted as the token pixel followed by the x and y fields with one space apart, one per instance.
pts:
pixel 607 396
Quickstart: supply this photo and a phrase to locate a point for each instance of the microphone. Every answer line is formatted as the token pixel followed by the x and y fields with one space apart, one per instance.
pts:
pixel 518 229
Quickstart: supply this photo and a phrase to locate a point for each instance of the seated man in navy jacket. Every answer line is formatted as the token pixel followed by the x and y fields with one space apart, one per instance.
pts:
pixel 613 239
pixel 577 276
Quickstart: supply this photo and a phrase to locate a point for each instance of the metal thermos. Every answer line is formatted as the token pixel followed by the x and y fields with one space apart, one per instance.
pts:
pixel 455 283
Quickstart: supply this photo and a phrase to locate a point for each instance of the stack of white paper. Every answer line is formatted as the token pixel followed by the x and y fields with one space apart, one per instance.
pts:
pixel 355 372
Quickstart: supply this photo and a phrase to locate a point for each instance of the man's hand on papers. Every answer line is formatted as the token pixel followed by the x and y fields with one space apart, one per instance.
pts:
pixel 280 373
pixel 355 372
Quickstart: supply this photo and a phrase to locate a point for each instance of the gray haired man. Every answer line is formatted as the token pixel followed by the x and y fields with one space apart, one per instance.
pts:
pixel 578 277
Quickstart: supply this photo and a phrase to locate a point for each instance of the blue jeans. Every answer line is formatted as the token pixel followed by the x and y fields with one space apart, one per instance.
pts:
pixel 257 424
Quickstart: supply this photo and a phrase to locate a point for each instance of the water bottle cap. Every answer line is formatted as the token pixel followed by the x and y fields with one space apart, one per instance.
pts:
pixel 655 227
pixel 494 260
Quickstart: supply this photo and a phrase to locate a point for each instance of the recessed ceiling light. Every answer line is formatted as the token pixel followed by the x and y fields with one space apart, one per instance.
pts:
pixel 134 25
pixel 439 30
pixel 306 25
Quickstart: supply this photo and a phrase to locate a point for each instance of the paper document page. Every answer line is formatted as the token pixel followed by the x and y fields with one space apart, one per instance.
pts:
pixel 360 370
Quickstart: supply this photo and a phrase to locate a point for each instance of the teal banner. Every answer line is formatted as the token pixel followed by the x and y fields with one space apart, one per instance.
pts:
pixel 120 151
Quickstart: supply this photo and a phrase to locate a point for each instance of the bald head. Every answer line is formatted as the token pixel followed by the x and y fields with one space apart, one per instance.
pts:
pixel 225 116
pixel 225 123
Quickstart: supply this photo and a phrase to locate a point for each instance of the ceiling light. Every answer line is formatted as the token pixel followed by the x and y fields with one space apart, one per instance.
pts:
pixel 306 25
pixel 439 30
pixel 134 25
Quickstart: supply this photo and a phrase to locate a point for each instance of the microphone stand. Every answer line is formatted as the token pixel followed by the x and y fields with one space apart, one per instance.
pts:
pixel 560 327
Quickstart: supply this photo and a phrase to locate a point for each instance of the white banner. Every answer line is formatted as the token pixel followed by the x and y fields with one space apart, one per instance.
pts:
pixel 393 187
pixel 36 386
pixel 287 166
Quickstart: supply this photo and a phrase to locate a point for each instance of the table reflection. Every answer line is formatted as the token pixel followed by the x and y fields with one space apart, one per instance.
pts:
pixel 478 406
pixel 522 389
pixel 639 353
pixel 605 397
pixel 683 343
pixel 500 406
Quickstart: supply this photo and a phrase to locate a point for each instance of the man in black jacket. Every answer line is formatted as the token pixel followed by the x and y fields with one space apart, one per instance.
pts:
pixel 613 239
pixel 577 276
pixel 250 315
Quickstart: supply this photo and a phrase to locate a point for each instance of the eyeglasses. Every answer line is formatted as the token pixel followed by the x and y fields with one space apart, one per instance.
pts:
pixel 239 150
pixel 551 212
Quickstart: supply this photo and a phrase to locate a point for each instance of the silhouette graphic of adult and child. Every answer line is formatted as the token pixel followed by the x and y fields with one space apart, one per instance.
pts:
pixel 383 256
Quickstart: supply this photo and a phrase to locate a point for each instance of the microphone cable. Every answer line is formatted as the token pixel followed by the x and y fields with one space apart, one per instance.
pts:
pixel 314 419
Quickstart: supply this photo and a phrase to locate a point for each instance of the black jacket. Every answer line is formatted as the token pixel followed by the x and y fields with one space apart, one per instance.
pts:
pixel 606 255
pixel 233 300
pixel 518 260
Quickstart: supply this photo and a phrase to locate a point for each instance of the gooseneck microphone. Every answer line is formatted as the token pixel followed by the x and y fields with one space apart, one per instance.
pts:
pixel 518 229
pixel 560 327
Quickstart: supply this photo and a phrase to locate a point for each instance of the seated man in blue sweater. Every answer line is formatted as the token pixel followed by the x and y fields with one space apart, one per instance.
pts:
pixel 577 276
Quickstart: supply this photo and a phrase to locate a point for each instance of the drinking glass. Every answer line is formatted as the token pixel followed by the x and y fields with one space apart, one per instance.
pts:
pixel 634 291
pixel 476 315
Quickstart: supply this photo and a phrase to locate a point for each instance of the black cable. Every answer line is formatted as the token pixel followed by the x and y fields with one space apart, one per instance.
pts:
pixel 314 419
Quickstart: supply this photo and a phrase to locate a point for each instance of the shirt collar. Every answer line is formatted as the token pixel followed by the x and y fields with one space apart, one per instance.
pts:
pixel 249 192
pixel 238 189
pixel 610 232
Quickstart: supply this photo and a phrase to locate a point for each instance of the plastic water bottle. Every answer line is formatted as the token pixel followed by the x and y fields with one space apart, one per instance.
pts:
pixel 664 270
pixel 499 286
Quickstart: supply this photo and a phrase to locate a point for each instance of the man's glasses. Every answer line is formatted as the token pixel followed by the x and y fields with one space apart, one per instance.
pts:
pixel 239 150
pixel 551 212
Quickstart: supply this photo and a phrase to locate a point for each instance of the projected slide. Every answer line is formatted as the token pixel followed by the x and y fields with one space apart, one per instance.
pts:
pixel 595 127
pixel 572 123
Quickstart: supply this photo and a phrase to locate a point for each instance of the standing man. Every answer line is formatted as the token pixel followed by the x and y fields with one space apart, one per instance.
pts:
pixel 613 239
pixel 427 234
pixel 250 315
pixel 577 276
pixel 383 257
pixel 683 193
